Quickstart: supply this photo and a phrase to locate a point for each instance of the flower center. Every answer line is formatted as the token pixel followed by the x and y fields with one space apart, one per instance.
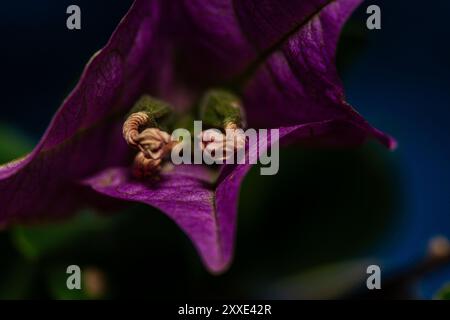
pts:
pixel 145 129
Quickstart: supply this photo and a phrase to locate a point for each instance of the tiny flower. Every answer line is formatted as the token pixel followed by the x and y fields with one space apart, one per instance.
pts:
pixel 140 132
pixel 235 138
pixel 158 66
pixel 221 146
pixel 211 140
pixel 153 143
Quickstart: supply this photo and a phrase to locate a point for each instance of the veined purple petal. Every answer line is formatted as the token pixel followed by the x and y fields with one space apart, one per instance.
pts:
pixel 187 196
pixel 298 82
pixel 228 183
pixel 266 22
pixel 85 134
pixel 220 39
pixel 231 176
pixel 203 207
pixel 286 47
pixel 212 43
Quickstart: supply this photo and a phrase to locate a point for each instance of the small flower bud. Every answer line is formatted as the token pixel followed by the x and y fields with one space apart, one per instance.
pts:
pixel 235 137
pixel 219 145
pixel 220 108
pixel 142 130
pixel 152 142
pixel 158 111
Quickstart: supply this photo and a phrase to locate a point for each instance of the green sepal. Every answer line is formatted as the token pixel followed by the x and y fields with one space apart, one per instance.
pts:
pixel 185 121
pixel 219 107
pixel 159 112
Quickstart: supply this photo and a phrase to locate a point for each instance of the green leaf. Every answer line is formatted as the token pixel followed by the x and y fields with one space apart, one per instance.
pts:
pixel 12 144
pixel 36 241
pixel 443 293
pixel 329 281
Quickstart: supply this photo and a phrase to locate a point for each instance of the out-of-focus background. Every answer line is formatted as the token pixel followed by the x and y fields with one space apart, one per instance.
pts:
pixel 308 232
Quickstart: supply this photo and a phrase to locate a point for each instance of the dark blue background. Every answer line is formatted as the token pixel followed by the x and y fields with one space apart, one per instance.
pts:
pixel 401 83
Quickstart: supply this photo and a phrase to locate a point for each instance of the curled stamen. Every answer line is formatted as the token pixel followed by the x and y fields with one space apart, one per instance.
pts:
pixel 141 131
pixel 153 143
pixel 132 125
pixel 145 167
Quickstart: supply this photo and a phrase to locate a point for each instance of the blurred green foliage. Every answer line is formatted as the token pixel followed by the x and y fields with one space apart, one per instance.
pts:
pixel 443 293
pixel 12 144
pixel 331 281
pixel 37 241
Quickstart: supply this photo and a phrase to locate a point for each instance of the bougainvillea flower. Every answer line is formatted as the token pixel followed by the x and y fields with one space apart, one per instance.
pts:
pixel 278 56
